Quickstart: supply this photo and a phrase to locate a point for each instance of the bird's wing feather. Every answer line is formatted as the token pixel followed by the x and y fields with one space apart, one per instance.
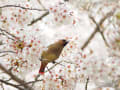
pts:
pixel 42 67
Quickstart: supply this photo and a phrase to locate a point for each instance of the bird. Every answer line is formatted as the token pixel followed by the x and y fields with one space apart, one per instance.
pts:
pixel 51 54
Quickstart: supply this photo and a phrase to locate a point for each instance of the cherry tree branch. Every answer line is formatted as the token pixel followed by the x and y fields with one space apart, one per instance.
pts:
pixel 97 28
pixel 3 55
pixel 7 6
pixel 53 66
pixel 7 52
pixel 31 82
pixel 42 16
pixel 6 33
pixel 10 84
pixel 102 21
pixel 101 32
pixel 15 78
pixel 48 69
pixel 2 86
pixel 86 85
pixel 58 63
pixel 89 39
pixel 39 18
pixel 41 4
pixel 34 21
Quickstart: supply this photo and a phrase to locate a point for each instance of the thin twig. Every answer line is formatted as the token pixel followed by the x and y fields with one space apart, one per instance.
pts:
pixel 89 39
pixel 48 69
pixel 5 6
pixel 2 86
pixel 101 22
pixel 7 52
pixel 7 36
pixel 2 30
pixel 101 32
pixel 3 55
pixel 8 79
pixel 86 85
pixel 58 63
pixel 15 78
pixel 5 31
pixel 97 28
pixel 31 82
pixel 53 66
pixel 69 62
pixel 41 4
pixel 39 18
pixel 13 85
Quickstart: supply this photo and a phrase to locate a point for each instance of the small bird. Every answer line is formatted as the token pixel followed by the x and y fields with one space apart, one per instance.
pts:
pixel 52 53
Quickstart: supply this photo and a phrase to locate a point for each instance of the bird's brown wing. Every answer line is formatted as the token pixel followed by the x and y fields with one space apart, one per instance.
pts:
pixel 48 56
pixel 55 49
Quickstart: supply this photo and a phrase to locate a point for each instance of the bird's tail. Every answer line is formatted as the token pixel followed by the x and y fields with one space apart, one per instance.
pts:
pixel 42 67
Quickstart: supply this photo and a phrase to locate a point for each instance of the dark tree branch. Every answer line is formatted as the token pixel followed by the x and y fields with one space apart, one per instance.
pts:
pixel 97 28
pixel 1 43
pixel 101 22
pixel 3 55
pixel 41 4
pixel 56 63
pixel 31 82
pixel 4 32
pixel 101 32
pixel 2 86
pixel 48 69
pixel 53 66
pixel 6 6
pixel 7 52
pixel 15 78
pixel 10 84
pixel 39 18
pixel 8 79
pixel 89 39
pixel 86 85
pixel 7 36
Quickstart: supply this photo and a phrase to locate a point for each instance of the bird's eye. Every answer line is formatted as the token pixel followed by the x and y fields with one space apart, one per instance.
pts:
pixel 20 45
pixel 64 40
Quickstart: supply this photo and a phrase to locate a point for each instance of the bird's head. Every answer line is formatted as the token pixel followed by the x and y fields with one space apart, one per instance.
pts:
pixel 64 42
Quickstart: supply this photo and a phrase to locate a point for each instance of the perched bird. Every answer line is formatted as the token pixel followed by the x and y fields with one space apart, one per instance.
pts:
pixel 51 54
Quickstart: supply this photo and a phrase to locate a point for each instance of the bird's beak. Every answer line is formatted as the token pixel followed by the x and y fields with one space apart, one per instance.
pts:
pixel 67 42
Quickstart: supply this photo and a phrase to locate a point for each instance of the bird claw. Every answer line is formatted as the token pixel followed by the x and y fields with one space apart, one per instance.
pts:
pixel 40 59
pixel 53 62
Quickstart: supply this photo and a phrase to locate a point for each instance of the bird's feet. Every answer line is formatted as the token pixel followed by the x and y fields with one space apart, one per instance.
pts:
pixel 40 59
pixel 53 62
